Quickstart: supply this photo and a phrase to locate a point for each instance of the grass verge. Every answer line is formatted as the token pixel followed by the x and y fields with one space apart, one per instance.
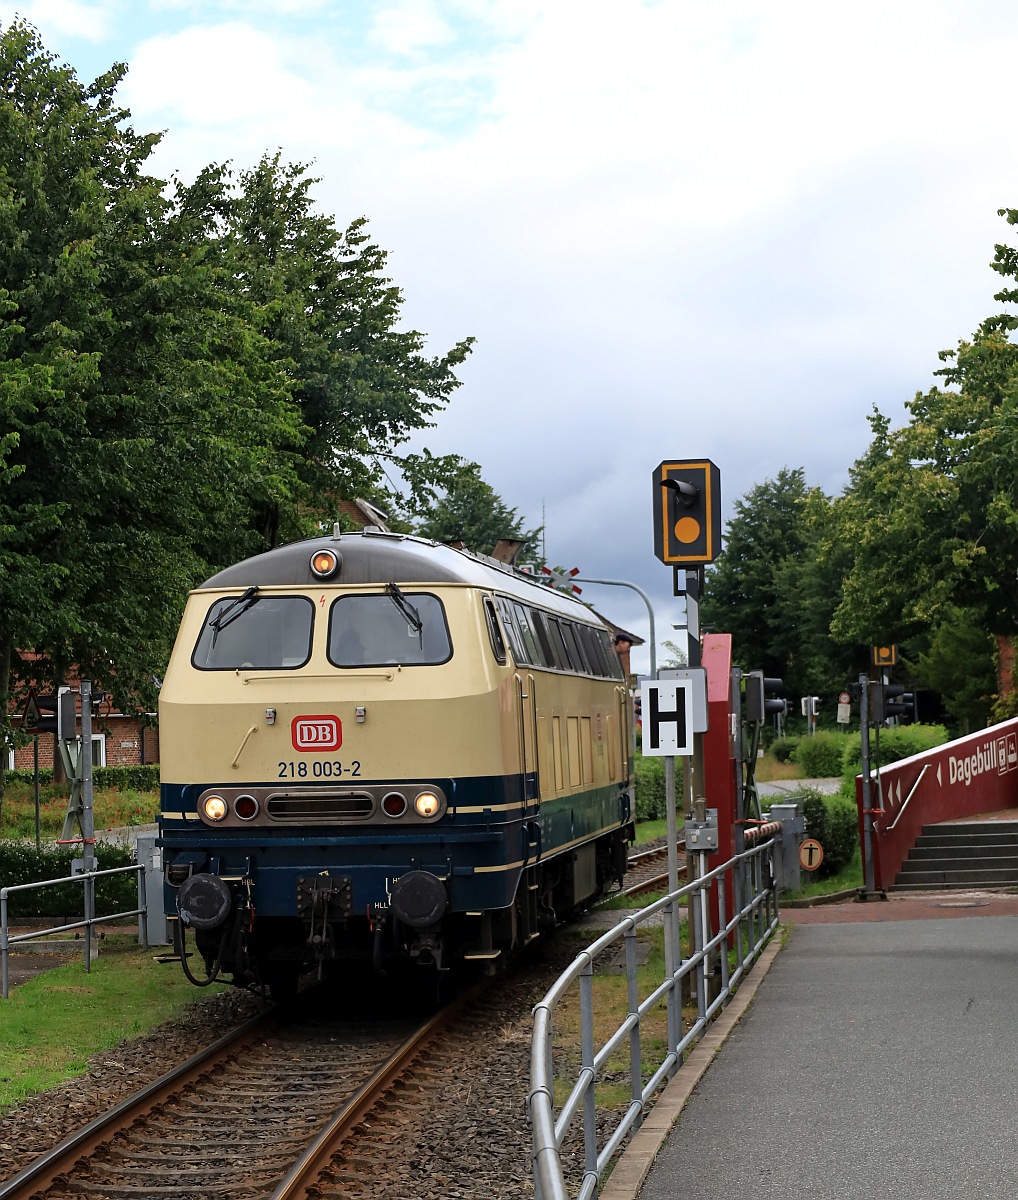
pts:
pixel 52 1024
pixel 111 809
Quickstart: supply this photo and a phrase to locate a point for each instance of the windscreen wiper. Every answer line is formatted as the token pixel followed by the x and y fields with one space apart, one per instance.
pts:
pixel 231 612
pixel 410 614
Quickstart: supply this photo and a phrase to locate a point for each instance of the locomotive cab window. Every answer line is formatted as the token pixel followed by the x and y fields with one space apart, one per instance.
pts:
pixel 388 628
pixel 494 633
pixel 255 632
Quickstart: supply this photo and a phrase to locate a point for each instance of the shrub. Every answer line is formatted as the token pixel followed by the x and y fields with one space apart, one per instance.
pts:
pixel 783 748
pixel 650 788
pixel 21 862
pixel 822 755
pixel 902 741
pixel 832 820
pixel 134 778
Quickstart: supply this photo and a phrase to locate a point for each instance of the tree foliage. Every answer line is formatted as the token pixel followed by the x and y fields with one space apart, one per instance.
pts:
pixel 773 585
pixel 187 373
pixel 472 512
pixel 932 508
pixel 958 665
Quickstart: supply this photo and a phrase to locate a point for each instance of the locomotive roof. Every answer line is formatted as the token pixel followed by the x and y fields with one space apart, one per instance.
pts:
pixel 377 557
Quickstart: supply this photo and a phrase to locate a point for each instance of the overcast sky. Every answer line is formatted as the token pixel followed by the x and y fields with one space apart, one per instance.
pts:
pixel 676 229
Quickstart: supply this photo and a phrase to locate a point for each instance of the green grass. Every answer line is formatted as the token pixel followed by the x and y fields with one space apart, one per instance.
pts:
pixel 51 1024
pixel 647 831
pixel 610 1008
pixel 111 809
pixel 768 770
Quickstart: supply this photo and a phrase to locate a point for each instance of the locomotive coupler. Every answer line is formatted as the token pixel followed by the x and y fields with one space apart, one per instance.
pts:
pixel 322 899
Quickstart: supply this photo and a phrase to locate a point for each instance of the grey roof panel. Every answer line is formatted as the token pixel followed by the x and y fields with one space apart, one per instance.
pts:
pixel 380 558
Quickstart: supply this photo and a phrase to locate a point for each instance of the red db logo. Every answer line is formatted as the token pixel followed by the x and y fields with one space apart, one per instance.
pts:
pixel 316 733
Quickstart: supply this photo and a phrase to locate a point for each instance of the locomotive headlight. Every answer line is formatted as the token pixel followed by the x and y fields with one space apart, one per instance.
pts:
pixel 427 804
pixel 324 563
pixel 214 808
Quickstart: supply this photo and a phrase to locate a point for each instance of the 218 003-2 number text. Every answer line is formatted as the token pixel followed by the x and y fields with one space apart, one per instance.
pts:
pixel 327 769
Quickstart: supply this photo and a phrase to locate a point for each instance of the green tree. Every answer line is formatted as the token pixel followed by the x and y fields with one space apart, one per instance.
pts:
pixel 807 586
pixel 959 665
pixel 135 388
pixel 185 373
pixel 931 512
pixel 361 384
pixel 471 511
pixel 752 590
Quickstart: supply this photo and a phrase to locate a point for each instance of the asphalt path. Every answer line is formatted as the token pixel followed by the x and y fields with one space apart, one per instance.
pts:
pixel 879 1059
pixel 784 787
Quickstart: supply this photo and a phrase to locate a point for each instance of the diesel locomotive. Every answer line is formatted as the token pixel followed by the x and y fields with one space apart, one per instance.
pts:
pixel 377 748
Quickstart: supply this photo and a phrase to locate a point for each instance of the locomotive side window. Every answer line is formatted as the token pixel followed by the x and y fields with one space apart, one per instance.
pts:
pixel 566 642
pixel 550 653
pixel 583 647
pixel 381 630
pixel 512 632
pixel 538 639
pixel 568 635
pixel 494 633
pixel 253 632
pixel 594 651
pixel 614 666
pixel 534 656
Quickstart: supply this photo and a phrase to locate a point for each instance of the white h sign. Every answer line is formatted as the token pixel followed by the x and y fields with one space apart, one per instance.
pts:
pixel 666 707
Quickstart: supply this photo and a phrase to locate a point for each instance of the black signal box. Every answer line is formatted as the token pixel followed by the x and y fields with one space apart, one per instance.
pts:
pixel 885 656
pixel 687 512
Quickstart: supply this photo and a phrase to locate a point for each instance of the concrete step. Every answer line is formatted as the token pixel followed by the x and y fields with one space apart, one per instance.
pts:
pixel 923 852
pixel 954 887
pixel 949 875
pixel 970 854
pixel 978 838
pixel 936 885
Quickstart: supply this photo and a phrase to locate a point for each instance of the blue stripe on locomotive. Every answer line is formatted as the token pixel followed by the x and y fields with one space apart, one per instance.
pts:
pixel 481 854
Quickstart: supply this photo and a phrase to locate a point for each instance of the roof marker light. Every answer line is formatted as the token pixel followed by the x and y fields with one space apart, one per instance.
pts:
pixel 325 563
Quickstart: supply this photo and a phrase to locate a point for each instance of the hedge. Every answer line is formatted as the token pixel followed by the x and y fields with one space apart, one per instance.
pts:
pixel 783 748
pixel 21 862
pixel 104 779
pixel 832 820
pixel 901 741
pixel 822 755
pixel 650 788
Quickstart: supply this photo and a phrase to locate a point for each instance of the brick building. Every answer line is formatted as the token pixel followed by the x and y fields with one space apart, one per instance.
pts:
pixel 118 739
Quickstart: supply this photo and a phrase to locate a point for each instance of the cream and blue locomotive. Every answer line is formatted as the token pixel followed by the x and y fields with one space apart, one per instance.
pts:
pixel 376 747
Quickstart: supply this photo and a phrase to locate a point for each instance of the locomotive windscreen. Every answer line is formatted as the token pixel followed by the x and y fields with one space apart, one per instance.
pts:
pixel 372 631
pixel 255 633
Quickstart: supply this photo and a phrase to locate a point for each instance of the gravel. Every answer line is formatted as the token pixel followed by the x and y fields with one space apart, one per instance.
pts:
pixel 45 1120
pixel 457 1128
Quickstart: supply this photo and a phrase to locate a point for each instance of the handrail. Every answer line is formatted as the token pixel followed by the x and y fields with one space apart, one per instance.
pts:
pixel 712 979
pixel 87 879
pixel 911 793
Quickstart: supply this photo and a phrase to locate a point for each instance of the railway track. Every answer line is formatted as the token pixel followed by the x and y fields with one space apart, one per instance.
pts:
pixel 647 871
pixel 257 1114
pixel 262 1111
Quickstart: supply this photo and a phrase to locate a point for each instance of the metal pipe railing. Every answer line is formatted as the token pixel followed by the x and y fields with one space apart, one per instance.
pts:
pixel 752 923
pixel 912 792
pixel 87 880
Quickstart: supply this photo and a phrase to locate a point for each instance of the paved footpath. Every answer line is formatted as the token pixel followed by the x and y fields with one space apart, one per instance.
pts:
pixel 878 1060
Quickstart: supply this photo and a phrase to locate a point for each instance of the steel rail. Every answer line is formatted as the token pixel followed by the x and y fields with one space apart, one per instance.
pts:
pixel 38 1176
pixel 654 884
pixel 306 1170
